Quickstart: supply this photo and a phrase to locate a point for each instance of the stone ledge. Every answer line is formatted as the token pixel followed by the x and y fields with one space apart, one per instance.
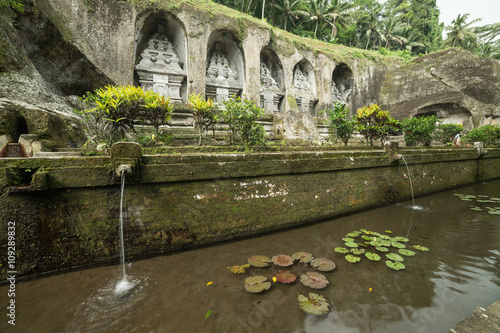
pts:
pixel 480 320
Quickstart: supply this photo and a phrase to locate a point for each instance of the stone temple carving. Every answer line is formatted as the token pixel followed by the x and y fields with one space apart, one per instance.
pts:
pixel 270 93
pixel 159 69
pixel 340 93
pixel 221 79
pixel 304 94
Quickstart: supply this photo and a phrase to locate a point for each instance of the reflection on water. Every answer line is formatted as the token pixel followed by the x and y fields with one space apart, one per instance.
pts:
pixel 440 287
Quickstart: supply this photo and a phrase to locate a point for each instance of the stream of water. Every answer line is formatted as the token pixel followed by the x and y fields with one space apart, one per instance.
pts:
pixel 173 293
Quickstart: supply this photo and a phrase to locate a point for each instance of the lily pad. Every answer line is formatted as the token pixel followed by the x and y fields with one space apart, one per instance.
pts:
pixel 394 256
pixel 303 257
pixel 282 260
pixel 388 232
pixel 323 264
pixel 285 276
pixel 382 249
pixel 314 304
pixel 357 251
pixel 341 250
pixel 354 234
pixel 395 265
pixel 238 269
pixel 406 252
pixel 398 245
pixel 372 256
pixel 421 248
pixel 401 239
pixel 257 284
pixel 352 259
pixel 314 280
pixel 351 244
pixel 259 261
pixel 348 240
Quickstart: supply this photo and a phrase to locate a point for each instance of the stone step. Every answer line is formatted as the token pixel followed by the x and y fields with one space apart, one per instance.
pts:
pixel 57 154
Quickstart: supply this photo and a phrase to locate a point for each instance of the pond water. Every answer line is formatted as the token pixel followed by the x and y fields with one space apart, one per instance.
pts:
pixel 436 290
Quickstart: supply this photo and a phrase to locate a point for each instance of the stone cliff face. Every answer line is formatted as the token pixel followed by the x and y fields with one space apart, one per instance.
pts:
pixel 60 49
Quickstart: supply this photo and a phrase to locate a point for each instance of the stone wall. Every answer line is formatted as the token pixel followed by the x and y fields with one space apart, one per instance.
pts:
pixel 66 209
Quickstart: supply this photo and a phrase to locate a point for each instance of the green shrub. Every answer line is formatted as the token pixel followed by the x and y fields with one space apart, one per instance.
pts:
pixel 446 132
pixel 373 123
pixel 241 117
pixel 339 123
pixel 488 134
pixel 419 130
pixel 204 112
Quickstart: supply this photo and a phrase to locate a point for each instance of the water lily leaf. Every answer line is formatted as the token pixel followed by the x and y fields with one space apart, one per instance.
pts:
pixel 341 250
pixel 259 261
pixel 357 251
pixel 395 265
pixel 394 256
pixel 401 239
pixel 285 276
pixel 351 244
pixel 314 304
pixel 352 259
pixel 421 248
pixel 282 260
pixel 372 256
pixel 323 264
pixel 476 208
pixel 303 257
pixel 388 232
pixel 238 269
pixel 385 237
pixel 257 284
pixel 348 240
pixel 398 245
pixel 314 280
pixel 366 237
pixel 382 249
pixel 354 234
pixel 406 252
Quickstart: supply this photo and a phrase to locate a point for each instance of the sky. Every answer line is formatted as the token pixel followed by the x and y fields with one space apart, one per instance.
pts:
pixel 488 10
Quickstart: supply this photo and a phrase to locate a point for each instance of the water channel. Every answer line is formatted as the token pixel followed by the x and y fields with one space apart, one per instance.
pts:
pixel 173 293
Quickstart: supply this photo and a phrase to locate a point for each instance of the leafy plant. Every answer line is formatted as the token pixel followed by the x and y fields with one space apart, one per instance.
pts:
pixel 204 112
pixel 373 123
pixel 488 134
pixel 241 117
pixel 419 130
pixel 340 125
pixel 446 132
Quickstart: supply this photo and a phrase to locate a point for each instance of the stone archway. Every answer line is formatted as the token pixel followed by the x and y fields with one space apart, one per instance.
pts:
pixel 161 56
pixel 342 81
pixel 304 86
pixel 225 66
pixel 448 113
pixel 272 89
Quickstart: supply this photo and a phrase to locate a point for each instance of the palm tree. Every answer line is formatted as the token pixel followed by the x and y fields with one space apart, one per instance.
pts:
pixel 392 30
pixel 373 28
pixel 340 14
pixel 318 11
pixel 412 39
pixel 289 9
pixel 460 31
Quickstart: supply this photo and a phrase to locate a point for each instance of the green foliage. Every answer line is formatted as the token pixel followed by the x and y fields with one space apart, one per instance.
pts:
pixel 373 123
pixel 446 132
pixel 204 112
pixel 487 134
pixel 17 5
pixel 339 123
pixel 114 110
pixel 419 130
pixel 241 117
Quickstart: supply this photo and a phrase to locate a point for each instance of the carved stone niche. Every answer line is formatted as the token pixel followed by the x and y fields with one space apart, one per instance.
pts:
pixel 270 93
pixel 341 87
pixel 304 90
pixel 159 68
pixel 221 79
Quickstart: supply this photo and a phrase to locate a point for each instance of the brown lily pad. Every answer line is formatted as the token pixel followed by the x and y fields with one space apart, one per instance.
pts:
pixel 323 264
pixel 257 284
pixel 303 257
pixel 285 276
pixel 259 261
pixel 282 260
pixel 314 280
pixel 314 304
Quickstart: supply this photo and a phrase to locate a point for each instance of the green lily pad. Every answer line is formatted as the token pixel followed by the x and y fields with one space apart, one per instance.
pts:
pixel 323 264
pixel 348 240
pixel 401 239
pixel 259 261
pixel 395 265
pixel 341 250
pixel 303 257
pixel 406 252
pixel 372 256
pixel 382 249
pixel 351 244
pixel 314 304
pixel 394 256
pixel 354 234
pixel 357 251
pixel 388 232
pixel 398 245
pixel 256 284
pixel 421 248
pixel 352 259
pixel 366 237
pixel 385 237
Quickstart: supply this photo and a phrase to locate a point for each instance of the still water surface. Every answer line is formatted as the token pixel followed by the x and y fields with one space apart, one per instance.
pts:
pixel 438 288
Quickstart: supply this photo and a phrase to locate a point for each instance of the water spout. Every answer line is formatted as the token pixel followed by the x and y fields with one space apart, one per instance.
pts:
pixel 123 169
pixel 415 207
